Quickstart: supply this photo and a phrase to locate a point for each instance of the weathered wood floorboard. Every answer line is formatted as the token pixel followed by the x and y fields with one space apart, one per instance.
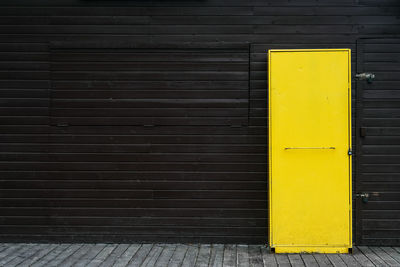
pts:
pixel 204 255
pixel 376 260
pixel 182 255
pixel 77 255
pixel 49 257
pixel 268 257
pixel 141 255
pixel 178 256
pixel 108 255
pixel 38 255
pixel 166 255
pixel 190 256
pixel 349 259
pixel 242 256
pixel 384 256
pixel 153 256
pixel 8 253
pixel 217 255
pixel 20 257
pixel 65 254
pixel 336 260
pixel 124 259
pixel 90 255
pixel 322 260
pixel 282 259
pixel 255 256
pixel 361 258
pixel 309 260
pixel 393 253
pixel 230 256
pixel 16 253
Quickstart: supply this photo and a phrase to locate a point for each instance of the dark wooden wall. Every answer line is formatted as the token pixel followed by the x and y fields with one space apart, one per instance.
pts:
pixel 146 120
pixel 378 164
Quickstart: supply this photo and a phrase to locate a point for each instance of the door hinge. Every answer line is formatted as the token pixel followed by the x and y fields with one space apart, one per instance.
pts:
pixel 364 197
pixel 365 76
pixel 350 152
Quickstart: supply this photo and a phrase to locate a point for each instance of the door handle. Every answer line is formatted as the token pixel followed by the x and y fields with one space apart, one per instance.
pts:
pixel 331 147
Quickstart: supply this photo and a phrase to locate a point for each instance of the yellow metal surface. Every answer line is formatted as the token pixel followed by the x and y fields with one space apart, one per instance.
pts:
pixel 324 249
pixel 309 139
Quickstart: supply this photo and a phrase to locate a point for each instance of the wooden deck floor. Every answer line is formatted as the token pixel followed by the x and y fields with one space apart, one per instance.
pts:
pixel 183 255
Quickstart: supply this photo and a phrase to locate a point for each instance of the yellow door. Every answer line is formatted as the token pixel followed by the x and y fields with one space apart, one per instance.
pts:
pixel 309 142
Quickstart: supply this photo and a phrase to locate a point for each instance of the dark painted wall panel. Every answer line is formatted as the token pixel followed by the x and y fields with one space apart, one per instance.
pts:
pixel 379 162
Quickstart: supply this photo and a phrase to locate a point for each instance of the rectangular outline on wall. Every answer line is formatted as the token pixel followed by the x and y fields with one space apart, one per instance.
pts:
pixel 270 51
pixel 73 47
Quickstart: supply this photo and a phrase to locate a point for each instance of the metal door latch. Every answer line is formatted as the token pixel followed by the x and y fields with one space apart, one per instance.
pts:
pixel 364 197
pixel 365 76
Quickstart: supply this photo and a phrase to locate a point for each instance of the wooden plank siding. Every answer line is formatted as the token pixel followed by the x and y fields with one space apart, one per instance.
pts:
pixel 378 164
pixel 146 121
